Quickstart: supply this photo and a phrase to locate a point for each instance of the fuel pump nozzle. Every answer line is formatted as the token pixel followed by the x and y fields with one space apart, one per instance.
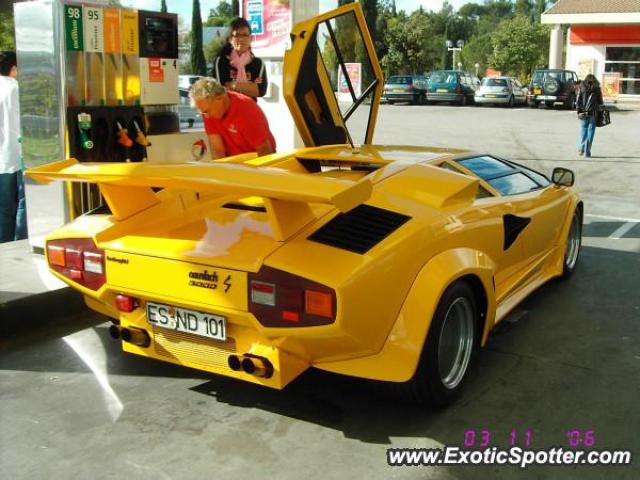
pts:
pixel 141 138
pixel 123 136
pixel 84 125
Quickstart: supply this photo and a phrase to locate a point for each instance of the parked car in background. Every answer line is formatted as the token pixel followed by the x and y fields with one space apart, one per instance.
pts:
pixel 550 86
pixel 501 91
pixel 190 116
pixel 454 86
pixel 185 81
pixel 406 88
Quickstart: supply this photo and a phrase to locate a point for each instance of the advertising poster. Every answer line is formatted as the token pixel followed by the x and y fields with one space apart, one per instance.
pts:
pixel 354 70
pixel 585 67
pixel 611 84
pixel 270 22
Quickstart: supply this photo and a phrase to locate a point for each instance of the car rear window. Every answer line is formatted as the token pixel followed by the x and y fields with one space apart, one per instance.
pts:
pixel 443 77
pixel 506 177
pixel 400 80
pixel 486 167
pixel 494 82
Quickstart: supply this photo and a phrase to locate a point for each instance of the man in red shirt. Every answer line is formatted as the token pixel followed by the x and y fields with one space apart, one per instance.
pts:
pixel 234 123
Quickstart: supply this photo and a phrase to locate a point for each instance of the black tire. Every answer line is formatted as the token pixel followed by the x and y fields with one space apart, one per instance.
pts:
pixel 431 384
pixel 463 101
pixel 573 244
pixel 549 103
pixel 570 103
pixel 390 102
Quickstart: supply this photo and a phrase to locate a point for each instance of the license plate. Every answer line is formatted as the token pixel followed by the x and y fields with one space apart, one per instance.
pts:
pixel 537 91
pixel 398 90
pixel 187 321
pixel 442 90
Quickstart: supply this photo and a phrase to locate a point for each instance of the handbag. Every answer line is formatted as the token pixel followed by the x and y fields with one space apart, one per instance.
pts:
pixel 604 117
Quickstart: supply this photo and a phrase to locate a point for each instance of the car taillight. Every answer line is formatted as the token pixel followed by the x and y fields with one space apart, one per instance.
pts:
pixel 281 299
pixel 78 259
pixel 126 304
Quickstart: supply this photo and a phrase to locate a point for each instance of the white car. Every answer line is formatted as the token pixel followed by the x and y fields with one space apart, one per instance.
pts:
pixel 501 90
pixel 185 81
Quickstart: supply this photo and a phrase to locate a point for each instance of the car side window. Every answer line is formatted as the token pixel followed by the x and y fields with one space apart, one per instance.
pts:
pixel 184 98
pixel 506 177
pixel 513 184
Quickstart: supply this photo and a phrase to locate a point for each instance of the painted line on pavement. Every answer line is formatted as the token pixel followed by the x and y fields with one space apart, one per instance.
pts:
pixel 609 217
pixel 620 232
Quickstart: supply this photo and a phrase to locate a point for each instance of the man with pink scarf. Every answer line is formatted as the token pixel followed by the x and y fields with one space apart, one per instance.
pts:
pixel 237 68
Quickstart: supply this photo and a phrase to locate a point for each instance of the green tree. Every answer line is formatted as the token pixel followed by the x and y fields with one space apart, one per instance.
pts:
pixel 220 16
pixel 235 8
pixel 163 6
pixel 519 46
pixel 370 8
pixel 477 50
pixel 213 48
pixel 7 39
pixel 539 9
pixel 524 8
pixel 198 63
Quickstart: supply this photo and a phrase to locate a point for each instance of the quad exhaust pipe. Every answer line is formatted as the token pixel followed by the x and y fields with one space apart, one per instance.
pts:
pixel 251 364
pixel 135 336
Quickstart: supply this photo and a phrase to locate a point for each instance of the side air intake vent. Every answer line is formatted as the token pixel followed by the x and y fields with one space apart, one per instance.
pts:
pixel 359 229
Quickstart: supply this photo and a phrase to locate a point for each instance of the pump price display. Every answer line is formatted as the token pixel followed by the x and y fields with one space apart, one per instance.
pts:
pixel 74 34
pixel 93 30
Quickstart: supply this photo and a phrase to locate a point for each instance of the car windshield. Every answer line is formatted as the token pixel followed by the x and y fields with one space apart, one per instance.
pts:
pixel 494 82
pixel 400 80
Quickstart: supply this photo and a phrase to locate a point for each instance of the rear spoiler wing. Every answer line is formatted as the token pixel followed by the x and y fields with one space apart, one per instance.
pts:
pixel 127 187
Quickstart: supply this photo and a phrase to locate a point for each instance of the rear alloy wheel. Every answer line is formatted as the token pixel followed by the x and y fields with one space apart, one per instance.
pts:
pixel 448 350
pixel 573 244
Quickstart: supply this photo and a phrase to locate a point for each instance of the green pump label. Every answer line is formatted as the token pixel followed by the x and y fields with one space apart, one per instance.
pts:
pixel 73 28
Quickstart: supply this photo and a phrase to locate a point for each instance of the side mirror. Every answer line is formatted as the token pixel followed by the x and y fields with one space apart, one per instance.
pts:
pixel 563 177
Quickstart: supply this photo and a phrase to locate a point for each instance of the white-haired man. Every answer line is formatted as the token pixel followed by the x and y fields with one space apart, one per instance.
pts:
pixel 234 123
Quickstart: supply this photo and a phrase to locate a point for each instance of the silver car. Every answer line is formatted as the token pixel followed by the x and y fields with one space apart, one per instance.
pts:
pixel 501 90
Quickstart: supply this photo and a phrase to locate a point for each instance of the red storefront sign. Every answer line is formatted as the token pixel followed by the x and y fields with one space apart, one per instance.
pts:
pixel 605 34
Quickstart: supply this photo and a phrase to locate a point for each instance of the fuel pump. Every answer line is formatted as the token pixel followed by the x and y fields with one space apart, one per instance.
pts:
pixel 84 125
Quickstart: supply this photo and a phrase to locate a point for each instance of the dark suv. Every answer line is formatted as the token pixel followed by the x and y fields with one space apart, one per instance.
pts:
pixel 406 88
pixel 550 86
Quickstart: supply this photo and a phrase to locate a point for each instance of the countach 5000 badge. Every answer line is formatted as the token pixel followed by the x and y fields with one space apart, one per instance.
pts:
pixel 209 280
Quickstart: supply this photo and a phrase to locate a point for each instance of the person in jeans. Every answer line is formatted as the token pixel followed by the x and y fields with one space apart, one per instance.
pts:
pixel 13 217
pixel 588 104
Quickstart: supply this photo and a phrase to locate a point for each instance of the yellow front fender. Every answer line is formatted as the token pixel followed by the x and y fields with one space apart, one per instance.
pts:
pixel 397 360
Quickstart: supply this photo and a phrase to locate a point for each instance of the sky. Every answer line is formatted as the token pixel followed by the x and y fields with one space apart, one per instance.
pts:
pixel 183 7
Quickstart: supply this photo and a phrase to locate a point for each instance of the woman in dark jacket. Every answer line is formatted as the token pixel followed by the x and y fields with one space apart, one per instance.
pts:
pixel 588 105
pixel 237 68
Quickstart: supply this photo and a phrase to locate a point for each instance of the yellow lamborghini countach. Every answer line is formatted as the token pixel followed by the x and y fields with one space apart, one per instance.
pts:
pixel 390 263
